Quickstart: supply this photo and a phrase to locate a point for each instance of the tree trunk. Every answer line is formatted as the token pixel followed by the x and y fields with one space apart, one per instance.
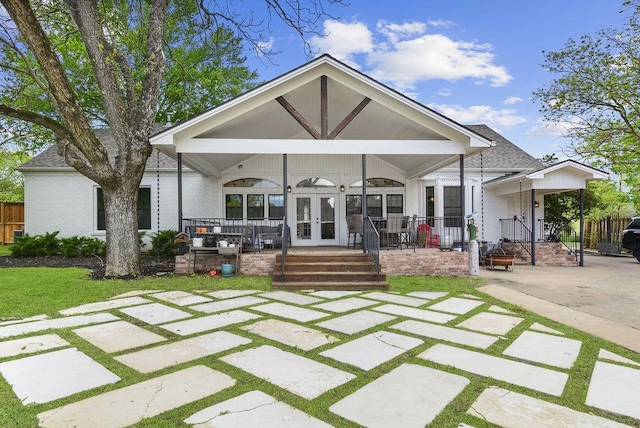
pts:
pixel 121 221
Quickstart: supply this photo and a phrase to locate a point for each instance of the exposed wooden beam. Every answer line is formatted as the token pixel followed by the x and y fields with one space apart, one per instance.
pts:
pixel 324 108
pixel 301 120
pixel 347 120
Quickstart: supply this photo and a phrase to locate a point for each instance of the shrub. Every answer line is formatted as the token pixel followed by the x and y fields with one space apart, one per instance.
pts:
pixel 82 246
pixel 162 243
pixel 38 245
pixel 50 245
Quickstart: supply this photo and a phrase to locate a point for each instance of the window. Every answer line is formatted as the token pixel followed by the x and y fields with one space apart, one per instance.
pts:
pixel 233 205
pixel 316 182
pixel 374 205
pixel 394 204
pixel 252 182
pixel 378 182
pixel 452 208
pixel 255 206
pixel 276 206
pixel 144 209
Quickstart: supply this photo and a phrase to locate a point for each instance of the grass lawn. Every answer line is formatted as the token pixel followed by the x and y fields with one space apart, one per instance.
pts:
pixel 33 291
pixel 5 250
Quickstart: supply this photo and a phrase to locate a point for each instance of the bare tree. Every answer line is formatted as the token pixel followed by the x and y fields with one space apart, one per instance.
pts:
pixel 129 90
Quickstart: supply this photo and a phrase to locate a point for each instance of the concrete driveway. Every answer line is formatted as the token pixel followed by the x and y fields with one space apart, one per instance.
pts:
pixel 607 287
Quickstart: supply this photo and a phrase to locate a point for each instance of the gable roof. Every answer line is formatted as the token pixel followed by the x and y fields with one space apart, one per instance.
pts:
pixel 391 126
pixel 50 159
pixel 504 156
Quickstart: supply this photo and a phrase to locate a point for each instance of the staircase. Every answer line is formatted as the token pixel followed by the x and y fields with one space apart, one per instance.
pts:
pixel 327 272
pixel 547 254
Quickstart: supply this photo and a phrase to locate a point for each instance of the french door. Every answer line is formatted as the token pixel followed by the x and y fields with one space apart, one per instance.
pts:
pixel 315 220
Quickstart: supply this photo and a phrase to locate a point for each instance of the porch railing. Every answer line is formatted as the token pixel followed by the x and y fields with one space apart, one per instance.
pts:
pixel 514 229
pixel 256 232
pixel 371 242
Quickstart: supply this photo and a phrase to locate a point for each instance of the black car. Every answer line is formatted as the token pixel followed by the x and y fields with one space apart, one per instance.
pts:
pixel 631 237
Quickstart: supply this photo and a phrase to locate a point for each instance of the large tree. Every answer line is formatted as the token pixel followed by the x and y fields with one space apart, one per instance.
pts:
pixel 125 44
pixel 595 94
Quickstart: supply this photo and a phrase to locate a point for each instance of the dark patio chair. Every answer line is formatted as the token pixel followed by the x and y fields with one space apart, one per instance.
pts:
pixel 355 228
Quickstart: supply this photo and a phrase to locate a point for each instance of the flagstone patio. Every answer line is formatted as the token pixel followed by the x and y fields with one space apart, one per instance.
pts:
pixel 250 358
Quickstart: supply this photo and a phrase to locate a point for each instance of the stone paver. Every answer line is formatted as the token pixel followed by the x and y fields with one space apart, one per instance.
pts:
pixel 487 322
pixel 544 329
pixel 373 349
pixel 159 357
pixel 345 305
pixel 510 409
pixel 253 409
pixel 457 305
pixel 47 377
pixel 156 313
pixel 30 345
pixel 607 355
pixel 450 334
pixel 544 348
pixel 421 314
pixel 118 336
pixel 105 306
pixel 133 293
pixel 356 322
pixel 180 298
pixel 615 388
pixel 517 373
pixel 291 312
pixel 334 294
pixel 228 304
pixel 129 405
pixel 408 396
pixel 309 379
pixel 230 294
pixel 35 326
pixel 290 334
pixel 209 322
pixel 289 297
pixel 21 320
pixel 500 310
pixel 429 295
pixel 395 298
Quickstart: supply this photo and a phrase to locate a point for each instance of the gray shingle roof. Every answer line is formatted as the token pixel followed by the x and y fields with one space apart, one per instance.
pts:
pixel 504 156
pixel 50 158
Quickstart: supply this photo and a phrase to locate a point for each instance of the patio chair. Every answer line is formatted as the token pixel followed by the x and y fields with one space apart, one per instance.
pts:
pixel 407 235
pixel 355 227
pixel 426 238
pixel 393 229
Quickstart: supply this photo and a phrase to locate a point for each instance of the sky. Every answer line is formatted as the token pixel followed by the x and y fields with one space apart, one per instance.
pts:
pixel 475 61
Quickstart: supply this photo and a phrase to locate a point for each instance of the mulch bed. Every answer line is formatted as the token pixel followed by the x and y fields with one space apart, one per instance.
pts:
pixel 151 266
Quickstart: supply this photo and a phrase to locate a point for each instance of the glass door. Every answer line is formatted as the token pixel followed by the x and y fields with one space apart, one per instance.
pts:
pixel 316 220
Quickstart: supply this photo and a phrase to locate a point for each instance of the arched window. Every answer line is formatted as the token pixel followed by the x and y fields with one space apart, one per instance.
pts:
pixel 252 182
pixel 316 182
pixel 378 182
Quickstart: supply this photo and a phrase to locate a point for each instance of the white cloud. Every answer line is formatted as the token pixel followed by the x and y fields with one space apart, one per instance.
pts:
pixel 512 100
pixel 495 118
pixel 343 41
pixel 404 54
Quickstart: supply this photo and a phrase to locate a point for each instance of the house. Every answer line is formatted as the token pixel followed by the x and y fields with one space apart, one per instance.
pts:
pixel 310 147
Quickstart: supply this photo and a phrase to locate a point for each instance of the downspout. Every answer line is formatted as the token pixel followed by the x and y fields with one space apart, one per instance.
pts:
pixel 285 229
pixel 582 227
pixel 533 227
pixel 180 192
pixel 462 205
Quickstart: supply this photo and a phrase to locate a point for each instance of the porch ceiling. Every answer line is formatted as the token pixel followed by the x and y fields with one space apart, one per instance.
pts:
pixel 398 130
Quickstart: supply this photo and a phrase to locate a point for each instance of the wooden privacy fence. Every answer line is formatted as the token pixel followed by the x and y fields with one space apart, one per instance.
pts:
pixel 11 218
pixel 604 231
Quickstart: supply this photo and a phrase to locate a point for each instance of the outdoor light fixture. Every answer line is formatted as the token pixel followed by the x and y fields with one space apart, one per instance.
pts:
pixel 288 189
pixel 536 204
pixel 342 187
pixel 431 199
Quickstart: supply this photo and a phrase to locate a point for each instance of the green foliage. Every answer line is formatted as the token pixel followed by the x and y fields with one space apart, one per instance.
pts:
pixel 37 245
pixel 50 245
pixel 162 243
pixel 595 94
pixel 561 209
pixel 82 246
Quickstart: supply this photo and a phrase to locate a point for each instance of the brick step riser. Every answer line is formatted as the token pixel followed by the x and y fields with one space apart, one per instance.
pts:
pixel 329 268
pixel 328 277
pixel 345 286
pixel 324 259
